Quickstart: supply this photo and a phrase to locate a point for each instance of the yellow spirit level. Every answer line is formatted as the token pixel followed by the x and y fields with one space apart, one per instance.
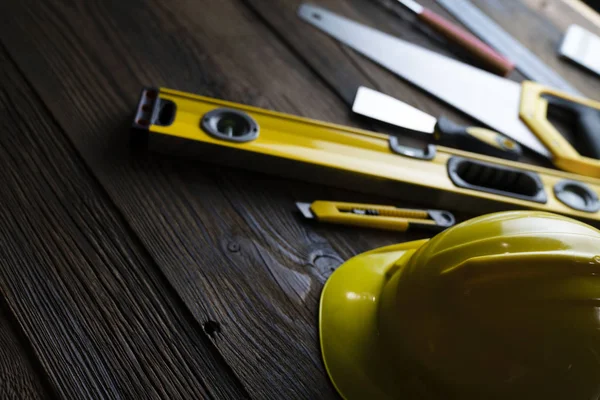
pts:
pixel 228 133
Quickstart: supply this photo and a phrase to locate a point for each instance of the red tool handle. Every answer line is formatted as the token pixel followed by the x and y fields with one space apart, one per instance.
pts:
pixel 492 60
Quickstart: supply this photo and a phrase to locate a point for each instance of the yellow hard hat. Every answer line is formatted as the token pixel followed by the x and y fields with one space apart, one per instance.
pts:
pixel 504 306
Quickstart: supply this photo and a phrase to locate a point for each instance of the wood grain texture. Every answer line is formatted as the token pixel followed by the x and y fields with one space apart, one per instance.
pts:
pixel 20 375
pixel 98 314
pixel 226 241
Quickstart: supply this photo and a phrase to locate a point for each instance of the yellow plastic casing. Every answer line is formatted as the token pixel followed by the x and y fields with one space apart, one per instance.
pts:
pixel 534 112
pixel 348 325
pixel 491 137
pixel 389 218
pixel 504 306
pixel 306 149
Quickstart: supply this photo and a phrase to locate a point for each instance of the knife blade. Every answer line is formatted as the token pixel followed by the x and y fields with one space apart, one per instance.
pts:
pixel 582 47
pixel 376 105
pixel 373 104
pixel 492 100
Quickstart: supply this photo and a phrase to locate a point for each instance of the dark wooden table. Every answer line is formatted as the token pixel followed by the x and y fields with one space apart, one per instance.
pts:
pixel 132 276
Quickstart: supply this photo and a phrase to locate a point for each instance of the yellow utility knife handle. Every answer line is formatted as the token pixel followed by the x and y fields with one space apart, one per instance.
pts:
pixel 369 215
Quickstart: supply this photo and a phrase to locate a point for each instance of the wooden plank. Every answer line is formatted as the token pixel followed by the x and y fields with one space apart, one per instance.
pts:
pixel 99 316
pixel 227 242
pixel 20 375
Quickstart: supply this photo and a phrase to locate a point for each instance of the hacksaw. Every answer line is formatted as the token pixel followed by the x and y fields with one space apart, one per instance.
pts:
pixel 520 111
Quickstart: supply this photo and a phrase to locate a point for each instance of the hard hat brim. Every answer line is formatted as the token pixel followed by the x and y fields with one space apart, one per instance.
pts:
pixel 348 325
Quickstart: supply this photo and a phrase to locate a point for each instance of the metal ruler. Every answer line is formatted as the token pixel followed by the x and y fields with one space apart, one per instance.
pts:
pixel 491 33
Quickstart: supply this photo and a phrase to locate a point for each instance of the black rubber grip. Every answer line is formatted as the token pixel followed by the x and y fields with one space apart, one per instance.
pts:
pixel 450 134
pixel 587 125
